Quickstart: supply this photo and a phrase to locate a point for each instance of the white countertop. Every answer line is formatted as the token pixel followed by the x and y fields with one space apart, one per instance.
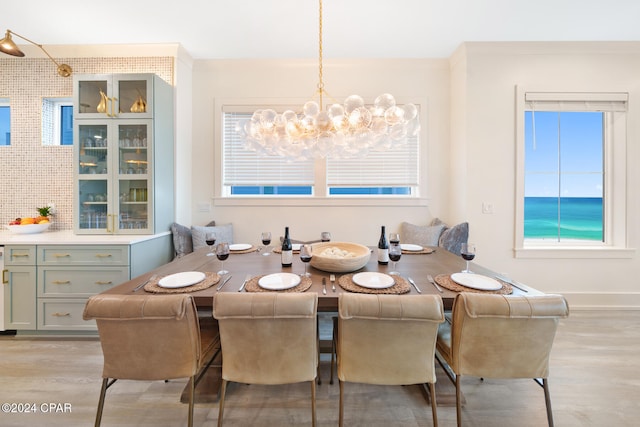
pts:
pixel 67 237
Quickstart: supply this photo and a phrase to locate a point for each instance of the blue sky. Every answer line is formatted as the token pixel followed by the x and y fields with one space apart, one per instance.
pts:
pixel 580 158
pixel 4 124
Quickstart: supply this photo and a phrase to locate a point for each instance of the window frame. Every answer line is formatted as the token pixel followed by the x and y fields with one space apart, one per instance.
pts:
pixel 5 103
pixel 614 244
pixel 55 117
pixel 319 196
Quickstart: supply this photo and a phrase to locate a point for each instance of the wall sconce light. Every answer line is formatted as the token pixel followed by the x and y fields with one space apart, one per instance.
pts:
pixel 10 48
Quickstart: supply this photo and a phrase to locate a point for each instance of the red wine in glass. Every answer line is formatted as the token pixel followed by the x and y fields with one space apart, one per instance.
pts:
pixel 266 241
pixel 222 252
pixel 468 252
pixel 305 257
pixel 210 240
pixel 395 253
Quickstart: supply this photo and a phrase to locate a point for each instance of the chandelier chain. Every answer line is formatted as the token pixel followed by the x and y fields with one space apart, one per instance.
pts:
pixel 320 81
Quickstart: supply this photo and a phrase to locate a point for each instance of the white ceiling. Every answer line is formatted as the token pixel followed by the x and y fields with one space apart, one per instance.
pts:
pixel 289 28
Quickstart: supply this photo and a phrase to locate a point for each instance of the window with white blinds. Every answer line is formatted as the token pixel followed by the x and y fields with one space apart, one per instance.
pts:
pixel 393 168
pixel 242 167
pixel 245 172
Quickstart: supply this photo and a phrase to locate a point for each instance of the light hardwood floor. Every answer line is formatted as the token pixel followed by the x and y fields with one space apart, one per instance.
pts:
pixel 594 381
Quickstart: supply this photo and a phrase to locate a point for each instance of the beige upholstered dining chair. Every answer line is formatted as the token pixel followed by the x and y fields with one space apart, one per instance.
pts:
pixel 149 337
pixel 268 338
pixel 388 340
pixel 498 336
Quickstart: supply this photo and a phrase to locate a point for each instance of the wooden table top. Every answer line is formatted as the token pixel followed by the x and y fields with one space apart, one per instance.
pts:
pixel 417 266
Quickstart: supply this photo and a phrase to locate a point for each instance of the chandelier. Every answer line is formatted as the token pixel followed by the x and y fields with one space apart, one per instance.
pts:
pixel 348 130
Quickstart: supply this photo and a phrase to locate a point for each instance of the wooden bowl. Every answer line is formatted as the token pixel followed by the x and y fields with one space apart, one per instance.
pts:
pixel 358 258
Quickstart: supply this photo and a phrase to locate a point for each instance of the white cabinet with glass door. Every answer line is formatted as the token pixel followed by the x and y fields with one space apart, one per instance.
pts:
pixel 117 189
pixel 114 96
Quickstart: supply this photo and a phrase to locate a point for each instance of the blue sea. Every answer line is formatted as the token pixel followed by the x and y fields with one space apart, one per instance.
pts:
pixel 580 218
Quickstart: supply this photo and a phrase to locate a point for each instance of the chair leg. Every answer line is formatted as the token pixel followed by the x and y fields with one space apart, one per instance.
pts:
pixel 223 389
pixel 103 393
pixel 434 410
pixel 341 411
pixel 192 392
pixel 333 347
pixel 547 401
pixel 458 404
pixel 313 404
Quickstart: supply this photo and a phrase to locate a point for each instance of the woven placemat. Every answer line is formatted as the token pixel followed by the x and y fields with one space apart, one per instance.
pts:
pixel 278 250
pixel 245 251
pixel 447 282
pixel 253 286
pixel 401 286
pixel 210 279
pixel 422 252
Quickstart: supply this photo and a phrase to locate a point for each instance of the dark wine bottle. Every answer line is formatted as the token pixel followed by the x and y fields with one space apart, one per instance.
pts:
pixel 287 249
pixel 383 248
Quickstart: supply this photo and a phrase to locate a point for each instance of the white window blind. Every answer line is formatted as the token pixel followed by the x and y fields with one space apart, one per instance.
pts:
pixel 393 168
pixel 243 167
pixel 576 101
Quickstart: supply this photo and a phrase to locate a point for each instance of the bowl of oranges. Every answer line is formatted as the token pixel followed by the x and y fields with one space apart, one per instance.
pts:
pixel 29 225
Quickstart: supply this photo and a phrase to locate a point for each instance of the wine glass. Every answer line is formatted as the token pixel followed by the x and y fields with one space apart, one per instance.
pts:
pixel 394 239
pixel 210 240
pixel 468 252
pixel 395 252
pixel 305 257
pixel 266 241
pixel 222 252
pixel 325 236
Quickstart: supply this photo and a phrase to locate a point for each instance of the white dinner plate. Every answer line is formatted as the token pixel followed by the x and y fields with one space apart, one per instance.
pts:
pixel 476 281
pixel 296 246
pixel 181 280
pixel 373 280
pixel 410 247
pixel 279 281
pixel 239 247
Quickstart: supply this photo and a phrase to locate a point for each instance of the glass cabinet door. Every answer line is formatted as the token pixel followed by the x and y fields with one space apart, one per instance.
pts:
pixel 133 177
pixel 113 96
pixel 93 176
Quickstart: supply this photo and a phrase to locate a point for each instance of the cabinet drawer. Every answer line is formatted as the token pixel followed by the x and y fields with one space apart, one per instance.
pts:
pixel 80 281
pixel 63 314
pixel 83 255
pixel 20 255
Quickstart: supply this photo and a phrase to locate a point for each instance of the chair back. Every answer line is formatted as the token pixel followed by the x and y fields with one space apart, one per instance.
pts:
pixel 504 336
pixel 146 337
pixel 268 338
pixel 388 339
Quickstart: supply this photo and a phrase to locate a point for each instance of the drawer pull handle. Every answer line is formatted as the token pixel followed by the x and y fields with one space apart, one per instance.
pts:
pixel 103 255
pixel 4 276
pixel 61 282
pixel 61 255
pixel 104 282
pixel 56 314
pixel 19 255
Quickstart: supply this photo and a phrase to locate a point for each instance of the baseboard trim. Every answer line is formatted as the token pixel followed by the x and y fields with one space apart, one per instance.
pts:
pixel 603 300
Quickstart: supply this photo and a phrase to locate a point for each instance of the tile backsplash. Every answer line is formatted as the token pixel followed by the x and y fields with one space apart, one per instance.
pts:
pixel 33 175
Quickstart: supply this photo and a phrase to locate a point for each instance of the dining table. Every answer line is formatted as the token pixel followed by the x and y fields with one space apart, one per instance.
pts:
pixel 419 266
pixel 250 263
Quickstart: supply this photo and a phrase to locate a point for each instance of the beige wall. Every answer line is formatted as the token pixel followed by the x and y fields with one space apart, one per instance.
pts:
pixel 425 81
pixel 484 93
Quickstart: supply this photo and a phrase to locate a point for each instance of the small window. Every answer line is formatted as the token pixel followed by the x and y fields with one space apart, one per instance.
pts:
pixel 5 122
pixel 57 121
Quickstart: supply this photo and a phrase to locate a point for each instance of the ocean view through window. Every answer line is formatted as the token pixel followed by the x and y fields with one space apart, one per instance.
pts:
pixel 564 176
